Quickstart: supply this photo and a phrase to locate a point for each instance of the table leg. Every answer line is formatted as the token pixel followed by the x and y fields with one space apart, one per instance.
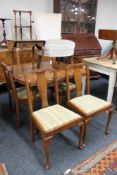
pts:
pixel 83 84
pixel 111 85
pixel 112 79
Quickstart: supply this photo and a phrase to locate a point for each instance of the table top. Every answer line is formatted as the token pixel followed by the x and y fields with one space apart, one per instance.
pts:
pixel 107 63
pixel 19 71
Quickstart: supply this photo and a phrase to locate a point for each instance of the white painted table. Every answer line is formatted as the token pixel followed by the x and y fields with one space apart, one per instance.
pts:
pixel 105 67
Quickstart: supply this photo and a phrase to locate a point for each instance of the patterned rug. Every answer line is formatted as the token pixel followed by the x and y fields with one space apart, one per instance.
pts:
pixel 3 170
pixel 102 163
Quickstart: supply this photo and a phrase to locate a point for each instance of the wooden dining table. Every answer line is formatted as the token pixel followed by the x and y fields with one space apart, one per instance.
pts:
pixel 20 70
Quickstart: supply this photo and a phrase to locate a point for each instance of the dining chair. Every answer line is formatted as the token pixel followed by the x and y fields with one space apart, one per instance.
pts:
pixel 88 106
pixel 17 95
pixel 7 80
pixel 50 120
pixel 48 28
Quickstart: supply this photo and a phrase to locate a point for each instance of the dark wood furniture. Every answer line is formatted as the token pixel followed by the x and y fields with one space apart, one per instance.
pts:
pixel 50 120
pixel 3 42
pixel 87 105
pixel 78 24
pixel 108 34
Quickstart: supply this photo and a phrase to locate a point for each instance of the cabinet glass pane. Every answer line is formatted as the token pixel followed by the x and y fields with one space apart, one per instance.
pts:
pixel 88 16
pixel 69 10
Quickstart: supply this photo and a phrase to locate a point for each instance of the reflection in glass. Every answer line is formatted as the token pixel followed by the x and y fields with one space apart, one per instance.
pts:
pixel 78 16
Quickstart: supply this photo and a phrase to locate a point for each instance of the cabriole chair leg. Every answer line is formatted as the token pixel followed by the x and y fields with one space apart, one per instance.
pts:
pixel 108 121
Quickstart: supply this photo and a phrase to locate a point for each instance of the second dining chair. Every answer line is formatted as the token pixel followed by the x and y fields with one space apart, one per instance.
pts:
pixel 50 120
pixel 17 95
pixel 88 106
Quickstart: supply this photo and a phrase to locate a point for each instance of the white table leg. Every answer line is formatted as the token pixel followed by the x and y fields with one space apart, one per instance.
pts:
pixel 112 79
pixel 111 85
pixel 83 84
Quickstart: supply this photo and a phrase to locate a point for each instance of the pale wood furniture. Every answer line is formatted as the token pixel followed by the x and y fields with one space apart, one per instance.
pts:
pixel 87 105
pixel 78 25
pixel 17 95
pixel 19 26
pixel 50 120
pixel 108 34
pixel 105 67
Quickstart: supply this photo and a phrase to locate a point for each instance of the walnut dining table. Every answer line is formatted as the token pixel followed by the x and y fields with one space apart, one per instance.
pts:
pixel 20 70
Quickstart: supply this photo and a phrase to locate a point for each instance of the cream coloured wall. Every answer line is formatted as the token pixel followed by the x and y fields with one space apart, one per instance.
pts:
pixel 106 19
pixel 7 6
pixel 106 14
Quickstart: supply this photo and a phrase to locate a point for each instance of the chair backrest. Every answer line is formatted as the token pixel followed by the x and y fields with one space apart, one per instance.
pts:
pixel 80 70
pixel 40 77
pixel 47 25
pixel 6 75
pixel 10 81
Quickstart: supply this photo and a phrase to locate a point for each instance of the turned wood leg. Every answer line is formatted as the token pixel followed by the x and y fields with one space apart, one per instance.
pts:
pixel 46 150
pixel 85 133
pixel 81 136
pixel 108 121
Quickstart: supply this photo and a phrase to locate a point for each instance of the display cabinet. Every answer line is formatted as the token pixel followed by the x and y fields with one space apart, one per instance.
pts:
pixel 78 24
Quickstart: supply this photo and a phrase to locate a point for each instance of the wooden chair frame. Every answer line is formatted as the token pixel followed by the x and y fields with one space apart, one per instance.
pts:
pixel 46 136
pixel 12 91
pixel 78 73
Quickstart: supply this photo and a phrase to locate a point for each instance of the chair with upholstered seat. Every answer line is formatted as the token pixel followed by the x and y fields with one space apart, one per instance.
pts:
pixel 48 28
pixel 87 106
pixel 50 120
pixel 17 95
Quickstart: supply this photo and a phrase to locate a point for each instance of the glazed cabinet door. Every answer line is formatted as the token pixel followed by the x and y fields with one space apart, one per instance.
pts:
pixel 78 16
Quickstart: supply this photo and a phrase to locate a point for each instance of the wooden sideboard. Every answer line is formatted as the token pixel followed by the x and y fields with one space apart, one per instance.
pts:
pixel 78 25
pixel 86 45
pixel 6 58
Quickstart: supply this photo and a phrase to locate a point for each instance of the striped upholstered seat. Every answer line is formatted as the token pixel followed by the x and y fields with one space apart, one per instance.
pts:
pixel 54 117
pixel 89 104
pixel 63 87
pixel 51 120
pixel 22 93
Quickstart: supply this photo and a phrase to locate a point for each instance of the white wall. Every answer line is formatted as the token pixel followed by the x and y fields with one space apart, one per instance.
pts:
pixel 106 14
pixel 106 19
pixel 7 7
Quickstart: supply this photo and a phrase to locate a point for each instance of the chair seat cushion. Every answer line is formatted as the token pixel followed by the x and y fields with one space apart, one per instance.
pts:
pixel 54 117
pixel 89 104
pixel 59 48
pixel 22 93
pixel 62 86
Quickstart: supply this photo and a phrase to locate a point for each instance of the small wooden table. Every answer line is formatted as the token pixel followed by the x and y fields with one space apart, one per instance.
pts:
pixel 19 45
pixel 105 67
pixel 108 34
